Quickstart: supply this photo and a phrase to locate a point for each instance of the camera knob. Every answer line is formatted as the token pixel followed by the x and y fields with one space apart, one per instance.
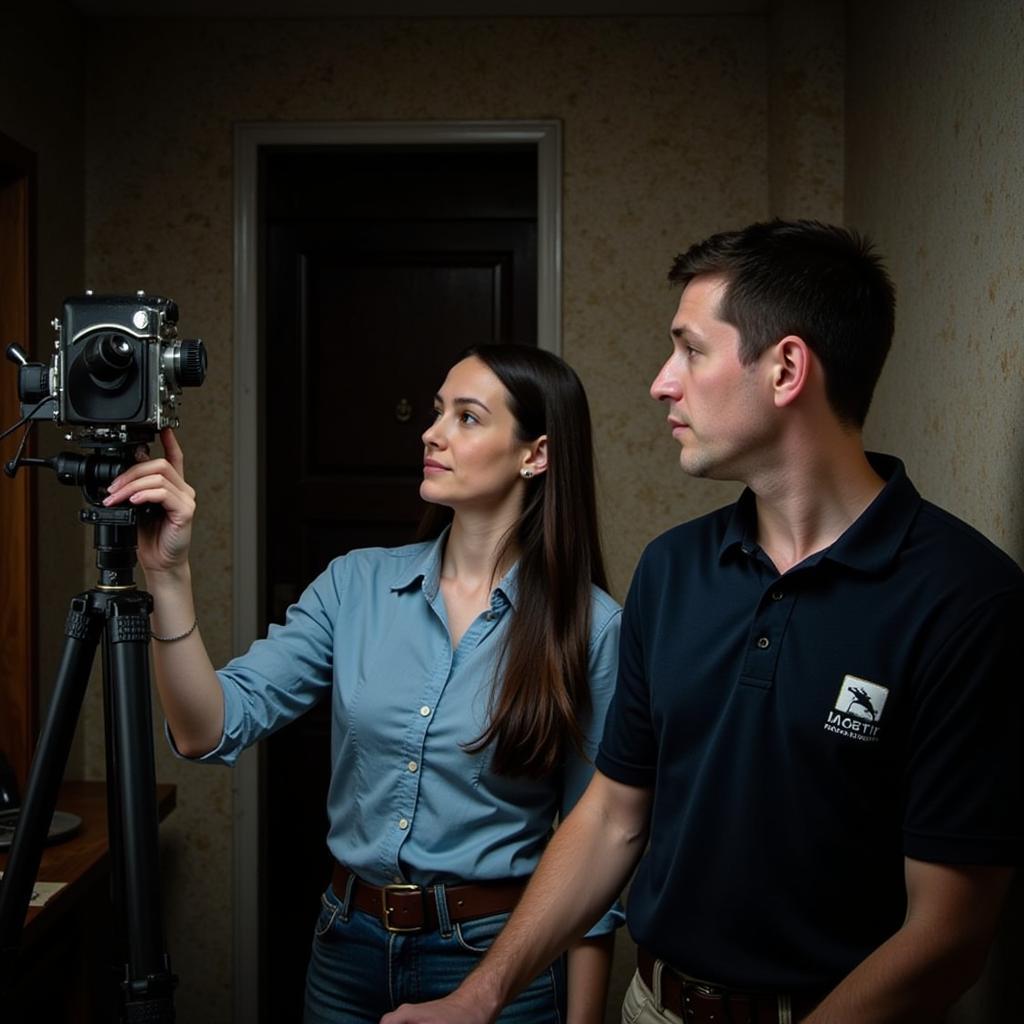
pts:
pixel 33 383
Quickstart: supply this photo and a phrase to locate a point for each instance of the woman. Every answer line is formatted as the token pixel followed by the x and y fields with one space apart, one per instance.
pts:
pixel 469 675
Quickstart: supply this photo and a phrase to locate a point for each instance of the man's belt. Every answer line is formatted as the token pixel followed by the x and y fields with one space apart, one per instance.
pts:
pixel 699 1002
pixel 413 908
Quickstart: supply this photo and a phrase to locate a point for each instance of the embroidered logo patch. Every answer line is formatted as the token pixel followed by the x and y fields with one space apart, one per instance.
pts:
pixel 858 709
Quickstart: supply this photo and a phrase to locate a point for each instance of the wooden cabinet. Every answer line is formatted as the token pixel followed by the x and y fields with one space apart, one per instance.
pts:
pixel 69 956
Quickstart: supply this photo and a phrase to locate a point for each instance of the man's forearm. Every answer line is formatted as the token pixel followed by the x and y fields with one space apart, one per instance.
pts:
pixel 933 958
pixel 583 869
pixel 905 981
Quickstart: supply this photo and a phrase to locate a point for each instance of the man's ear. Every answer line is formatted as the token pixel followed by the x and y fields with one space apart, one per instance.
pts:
pixel 537 458
pixel 790 368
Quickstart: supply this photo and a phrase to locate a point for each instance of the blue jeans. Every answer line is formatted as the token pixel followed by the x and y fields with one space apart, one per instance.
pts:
pixel 358 971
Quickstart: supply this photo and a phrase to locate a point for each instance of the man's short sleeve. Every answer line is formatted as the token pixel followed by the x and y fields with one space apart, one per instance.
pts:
pixel 965 768
pixel 627 751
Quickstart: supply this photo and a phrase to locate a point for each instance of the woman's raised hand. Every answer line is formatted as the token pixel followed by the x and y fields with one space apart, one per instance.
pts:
pixel 163 543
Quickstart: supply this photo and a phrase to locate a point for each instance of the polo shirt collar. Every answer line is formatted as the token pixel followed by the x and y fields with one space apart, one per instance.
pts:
pixel 425 571
pixel 869 544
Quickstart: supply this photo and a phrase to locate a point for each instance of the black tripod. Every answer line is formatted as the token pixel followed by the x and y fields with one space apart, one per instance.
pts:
pixel 118 613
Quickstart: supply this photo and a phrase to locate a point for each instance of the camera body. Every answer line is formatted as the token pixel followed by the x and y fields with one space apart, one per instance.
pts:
pixel 117 372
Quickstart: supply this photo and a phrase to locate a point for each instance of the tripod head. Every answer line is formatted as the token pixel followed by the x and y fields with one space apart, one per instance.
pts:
pixel 116 529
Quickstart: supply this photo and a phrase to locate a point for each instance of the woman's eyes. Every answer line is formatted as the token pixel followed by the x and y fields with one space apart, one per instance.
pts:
pixel 464 417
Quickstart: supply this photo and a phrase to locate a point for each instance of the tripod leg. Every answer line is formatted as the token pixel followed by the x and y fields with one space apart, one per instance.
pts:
pixel 149 982
pixel 81 637
pixel 116 843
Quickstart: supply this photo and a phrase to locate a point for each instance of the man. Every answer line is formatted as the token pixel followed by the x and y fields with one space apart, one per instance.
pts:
pixel 818 717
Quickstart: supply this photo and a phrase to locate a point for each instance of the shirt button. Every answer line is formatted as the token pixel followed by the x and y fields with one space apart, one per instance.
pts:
pixel 777 595
pixel 412 766
pixel 763 642
pixel 403 823
pixel 424 711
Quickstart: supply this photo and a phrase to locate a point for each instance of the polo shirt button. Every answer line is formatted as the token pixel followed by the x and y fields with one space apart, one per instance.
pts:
pixel 412 766
pixel 403 823
pixel 424 711
pixel 764 643
pixel 777 595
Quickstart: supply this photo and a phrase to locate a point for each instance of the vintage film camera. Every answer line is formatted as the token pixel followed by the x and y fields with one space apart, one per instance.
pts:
pixel 117 371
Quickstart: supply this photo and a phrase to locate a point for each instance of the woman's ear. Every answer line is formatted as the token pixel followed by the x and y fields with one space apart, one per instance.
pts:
pixel 536 461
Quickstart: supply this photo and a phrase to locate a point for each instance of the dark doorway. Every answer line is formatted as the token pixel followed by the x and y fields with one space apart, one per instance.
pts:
pixel 379 265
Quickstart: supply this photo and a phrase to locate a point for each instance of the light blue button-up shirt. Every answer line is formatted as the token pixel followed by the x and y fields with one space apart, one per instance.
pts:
pixel 406 802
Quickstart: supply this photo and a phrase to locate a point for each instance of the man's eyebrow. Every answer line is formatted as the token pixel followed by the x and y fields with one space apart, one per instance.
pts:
pixel 438 400
pixel 685 333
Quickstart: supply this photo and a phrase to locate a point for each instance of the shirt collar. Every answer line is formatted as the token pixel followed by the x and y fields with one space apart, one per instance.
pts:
pixel 868 544
pixel 872 541
pixel 425 571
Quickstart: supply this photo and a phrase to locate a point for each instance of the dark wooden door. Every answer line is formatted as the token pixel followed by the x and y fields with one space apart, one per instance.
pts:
pixel 381 265
pixel 18 685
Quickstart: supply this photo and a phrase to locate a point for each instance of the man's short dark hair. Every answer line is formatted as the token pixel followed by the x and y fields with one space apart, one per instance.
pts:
pixel 822 283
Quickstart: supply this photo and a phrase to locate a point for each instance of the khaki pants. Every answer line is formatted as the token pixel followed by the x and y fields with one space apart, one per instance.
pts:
pixel 639 1005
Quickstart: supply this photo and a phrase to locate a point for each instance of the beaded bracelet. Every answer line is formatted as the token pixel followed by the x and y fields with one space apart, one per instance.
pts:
pixel 181 636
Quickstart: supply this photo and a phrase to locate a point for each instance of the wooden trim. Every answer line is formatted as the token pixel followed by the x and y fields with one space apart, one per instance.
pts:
pixel 19 698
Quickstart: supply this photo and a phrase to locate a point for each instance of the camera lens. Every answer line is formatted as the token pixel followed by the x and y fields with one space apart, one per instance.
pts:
pixel 193 363
pixel 185 362
pixel 107 357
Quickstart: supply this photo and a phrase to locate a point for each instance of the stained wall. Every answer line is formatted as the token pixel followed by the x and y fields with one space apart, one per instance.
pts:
pixel 934 137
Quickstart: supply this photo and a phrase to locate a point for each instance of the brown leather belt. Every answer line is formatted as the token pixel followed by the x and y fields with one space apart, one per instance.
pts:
pixel 413 908
pixel 699 1002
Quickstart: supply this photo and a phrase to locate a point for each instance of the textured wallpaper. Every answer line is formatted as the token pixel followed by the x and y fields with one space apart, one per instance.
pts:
pixel 935 133
pixel 665 140
pixel 935 175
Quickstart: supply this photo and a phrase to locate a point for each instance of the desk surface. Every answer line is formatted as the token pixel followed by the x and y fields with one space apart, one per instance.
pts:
pixel 83 857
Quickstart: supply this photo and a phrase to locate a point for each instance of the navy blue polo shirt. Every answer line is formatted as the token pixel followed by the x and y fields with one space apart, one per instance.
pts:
pixel 804 733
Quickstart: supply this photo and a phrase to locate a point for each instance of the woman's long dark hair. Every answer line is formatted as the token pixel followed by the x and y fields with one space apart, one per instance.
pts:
pixel 544 693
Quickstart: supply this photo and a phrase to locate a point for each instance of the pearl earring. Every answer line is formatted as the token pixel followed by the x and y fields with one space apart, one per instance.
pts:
pixel 526 473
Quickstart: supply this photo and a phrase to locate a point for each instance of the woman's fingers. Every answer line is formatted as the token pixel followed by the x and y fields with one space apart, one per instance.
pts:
pixel 135 489
pixel 130 478
pixel 172 450
pixel 157 496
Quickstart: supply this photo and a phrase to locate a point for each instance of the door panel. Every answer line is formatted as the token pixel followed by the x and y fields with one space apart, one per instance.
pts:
pixel 18 670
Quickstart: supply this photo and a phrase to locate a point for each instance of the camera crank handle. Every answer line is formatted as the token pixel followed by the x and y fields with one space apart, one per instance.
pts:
pixel 16 354
pixel 11 466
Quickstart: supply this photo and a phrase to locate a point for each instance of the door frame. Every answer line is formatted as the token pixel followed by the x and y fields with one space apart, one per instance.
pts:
pixel 19 686
pixel 249 137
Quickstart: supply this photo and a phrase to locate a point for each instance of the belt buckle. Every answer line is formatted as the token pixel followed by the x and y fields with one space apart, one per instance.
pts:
pixel 699 988
pixel 387 911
